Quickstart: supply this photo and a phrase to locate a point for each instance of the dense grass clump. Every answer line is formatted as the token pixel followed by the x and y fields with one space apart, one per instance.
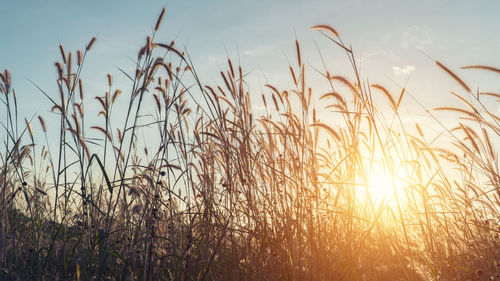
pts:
pixel 220 191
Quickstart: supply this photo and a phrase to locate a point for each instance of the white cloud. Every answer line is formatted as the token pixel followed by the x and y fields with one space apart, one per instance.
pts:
pixel 417 36
pixel 214 58
pixel 403 70
pixel 259 50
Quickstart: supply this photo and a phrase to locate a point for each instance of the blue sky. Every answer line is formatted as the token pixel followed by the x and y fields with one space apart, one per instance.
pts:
pixel 384 34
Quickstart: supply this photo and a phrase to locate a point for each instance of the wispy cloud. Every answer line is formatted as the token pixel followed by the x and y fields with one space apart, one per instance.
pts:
pixel 405 70
pixel 368 56
pixel 214 58
pixel 417 36
pixel 411 36
pixel 262 49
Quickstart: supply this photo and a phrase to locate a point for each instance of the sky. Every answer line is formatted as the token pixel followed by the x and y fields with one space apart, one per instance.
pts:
pixel 385 35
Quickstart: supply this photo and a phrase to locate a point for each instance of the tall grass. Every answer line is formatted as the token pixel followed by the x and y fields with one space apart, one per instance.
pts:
pixel 220 191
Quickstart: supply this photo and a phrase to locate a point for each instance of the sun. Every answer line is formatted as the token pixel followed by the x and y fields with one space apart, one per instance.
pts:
pixel 381 186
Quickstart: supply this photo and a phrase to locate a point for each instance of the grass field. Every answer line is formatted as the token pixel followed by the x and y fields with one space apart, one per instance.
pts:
pixel 177 180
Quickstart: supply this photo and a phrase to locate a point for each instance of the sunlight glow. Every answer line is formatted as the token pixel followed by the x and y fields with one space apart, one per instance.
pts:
pixel 381 186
